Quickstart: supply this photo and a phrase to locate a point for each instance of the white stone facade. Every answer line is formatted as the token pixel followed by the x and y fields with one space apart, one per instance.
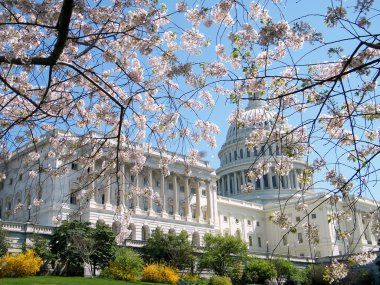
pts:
pixel 189 202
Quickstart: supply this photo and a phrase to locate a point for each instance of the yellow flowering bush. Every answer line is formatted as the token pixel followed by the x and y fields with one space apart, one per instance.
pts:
pixel 22 264
pixel 160 273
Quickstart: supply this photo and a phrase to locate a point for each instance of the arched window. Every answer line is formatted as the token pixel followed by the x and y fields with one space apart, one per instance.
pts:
pixel 255 151
pixel 238 233
pixel 241 153
pixel 277 150
pixel 196 240
pixel 235 155
pixel 248 153
pixel 230 156
pixel 132 228
pixel 145 233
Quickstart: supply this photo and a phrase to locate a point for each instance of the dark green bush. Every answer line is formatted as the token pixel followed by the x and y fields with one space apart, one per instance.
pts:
pixel 259 270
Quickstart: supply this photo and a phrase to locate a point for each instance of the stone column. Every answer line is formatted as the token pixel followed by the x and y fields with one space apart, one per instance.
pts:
pixel 296 185
pixel 136 197
pixel 228 185
pixel 91 185
pixel 234 184
pixel 224 193
pixel 209 215
pixel 243 177
pixel 187 200
pixel 270 178
pixel 163 197
pixel 262 183
pixel 121 185
pixel 214 205
pixel 175 198
pixel 150 198
pixel 107 194
pixel 198 213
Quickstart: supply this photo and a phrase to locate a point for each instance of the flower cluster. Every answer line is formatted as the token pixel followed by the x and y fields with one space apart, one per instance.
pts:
pixel 312 232
pixel 259 170
pixel 363 258
pixel 335 271
pixel 281 219
pixel 247 188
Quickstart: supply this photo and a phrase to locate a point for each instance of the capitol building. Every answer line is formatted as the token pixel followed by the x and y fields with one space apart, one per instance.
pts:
pixel 193 197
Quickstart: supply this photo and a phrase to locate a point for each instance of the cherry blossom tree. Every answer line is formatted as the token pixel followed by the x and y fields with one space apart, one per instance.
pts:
pixel 129 75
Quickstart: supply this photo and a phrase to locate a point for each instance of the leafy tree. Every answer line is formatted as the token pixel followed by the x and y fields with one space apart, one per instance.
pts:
pixel 41 247
pixel 104 246
pixel 127 265
pixel 259 270
pixel 69 242
pixel 75 244
pixel 169 248
pixel 314 274
pixel 288 270
pixel 3 242
pixel 222 254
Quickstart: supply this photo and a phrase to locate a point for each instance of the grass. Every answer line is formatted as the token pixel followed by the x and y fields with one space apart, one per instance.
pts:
pixel 55 280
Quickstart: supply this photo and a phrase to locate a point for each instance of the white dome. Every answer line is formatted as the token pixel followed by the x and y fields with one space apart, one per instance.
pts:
pixel 256 116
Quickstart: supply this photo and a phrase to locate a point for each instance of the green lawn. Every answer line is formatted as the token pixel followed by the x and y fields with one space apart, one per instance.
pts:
pixel 54 280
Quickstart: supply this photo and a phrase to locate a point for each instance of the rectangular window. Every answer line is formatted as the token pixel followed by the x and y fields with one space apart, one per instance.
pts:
pixel 300 239
pixel 285 240
pixel 158 183
pixel 132 178
pixel 274 182
pixel 1 185
pixel 257 223
pixel 225 218
pixel 298 219
pixel 250 240
pixel 192 191
pixel 313 216
pixel 10 181
pixel 73 199
pixel 259 241
pixel 145 181
pixel 203 192
pixel 182 189
pixel 170 210
pixel 74 166
pixel 20 177
pixel 249 222
pixel 170 186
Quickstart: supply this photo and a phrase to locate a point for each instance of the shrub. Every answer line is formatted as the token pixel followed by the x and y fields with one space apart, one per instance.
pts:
pixel 220 280
pixel 287 269
pixel 159 273
pixel 189 279
pixel 128 265
pixel 20 265
pixel 258 270
pixel 3 242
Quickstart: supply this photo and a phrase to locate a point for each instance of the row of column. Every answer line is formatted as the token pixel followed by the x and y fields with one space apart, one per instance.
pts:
pixel 164 181
pixel 230 184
